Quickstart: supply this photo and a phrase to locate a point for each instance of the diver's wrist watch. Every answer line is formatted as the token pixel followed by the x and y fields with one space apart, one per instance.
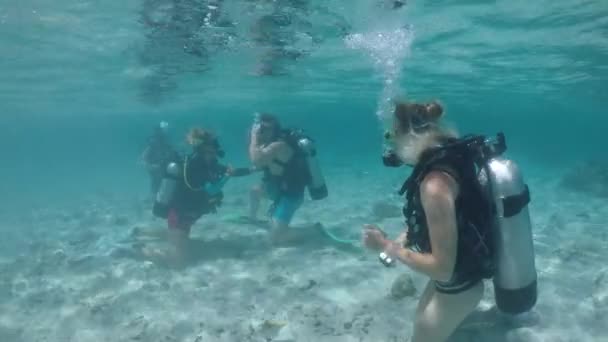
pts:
pixel 386 260
pixel 385 256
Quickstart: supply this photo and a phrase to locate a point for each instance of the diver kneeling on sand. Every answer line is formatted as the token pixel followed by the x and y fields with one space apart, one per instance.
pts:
pixel 288 160
pixel 467 220
pixel 192 187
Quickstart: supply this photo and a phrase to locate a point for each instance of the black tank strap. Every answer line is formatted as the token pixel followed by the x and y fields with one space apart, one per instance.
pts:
pixel 280 162
pixel 512 205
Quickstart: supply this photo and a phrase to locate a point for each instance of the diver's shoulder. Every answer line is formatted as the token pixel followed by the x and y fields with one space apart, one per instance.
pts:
pixel 438 184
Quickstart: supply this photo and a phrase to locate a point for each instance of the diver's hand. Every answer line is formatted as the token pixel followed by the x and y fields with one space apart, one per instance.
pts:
pixel 401 240
pixel 255 130
pixel 229 171
pixel 374 238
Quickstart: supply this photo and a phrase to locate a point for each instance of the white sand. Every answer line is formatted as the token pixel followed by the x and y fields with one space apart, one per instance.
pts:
pixel 69 283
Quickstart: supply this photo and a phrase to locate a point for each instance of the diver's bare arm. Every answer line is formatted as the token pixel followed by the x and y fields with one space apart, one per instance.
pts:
pixel 423 263
pixel 263 155
pixel 437 197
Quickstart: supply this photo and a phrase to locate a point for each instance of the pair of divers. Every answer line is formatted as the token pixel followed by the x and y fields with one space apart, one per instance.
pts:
pixel 192 185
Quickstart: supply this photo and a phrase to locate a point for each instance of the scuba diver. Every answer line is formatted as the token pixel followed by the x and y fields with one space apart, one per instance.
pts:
pixel 157 155
pixel 192 186
pixel 288 160
pixel 466 220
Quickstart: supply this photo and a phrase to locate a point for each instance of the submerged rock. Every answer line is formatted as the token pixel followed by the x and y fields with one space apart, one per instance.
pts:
pixel 267 330
pixel 276 279
pixel 403 287
pixel 285 335
pixel 119 220
pixel 59 255
pixel 384 210
pixel 84 238
pixel 309 285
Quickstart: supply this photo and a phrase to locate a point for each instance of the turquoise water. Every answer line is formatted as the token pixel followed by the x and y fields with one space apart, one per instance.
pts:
pixel 73 70
pixel 82 83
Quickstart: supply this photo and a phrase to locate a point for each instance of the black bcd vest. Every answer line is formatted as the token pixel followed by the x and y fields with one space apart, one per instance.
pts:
pixel 473 209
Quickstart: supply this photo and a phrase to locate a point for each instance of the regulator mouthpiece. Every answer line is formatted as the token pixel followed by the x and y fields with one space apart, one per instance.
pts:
pixel 496 146
pixel 391 159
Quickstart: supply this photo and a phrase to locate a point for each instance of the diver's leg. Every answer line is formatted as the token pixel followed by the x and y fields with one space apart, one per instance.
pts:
pixel 255 196
pixel 425 298
pixel 179 238
pixel 156 178
pixel 179 254
pixel 444 312
pixel 155 181
pixel 278 232
pixel 282 215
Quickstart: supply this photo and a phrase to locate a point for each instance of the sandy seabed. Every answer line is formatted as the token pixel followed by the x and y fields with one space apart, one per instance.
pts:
pixel 67 274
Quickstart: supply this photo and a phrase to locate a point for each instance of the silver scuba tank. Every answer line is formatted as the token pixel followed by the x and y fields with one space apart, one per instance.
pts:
pixel 317 187
pixel 167 190
pixel 515 286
